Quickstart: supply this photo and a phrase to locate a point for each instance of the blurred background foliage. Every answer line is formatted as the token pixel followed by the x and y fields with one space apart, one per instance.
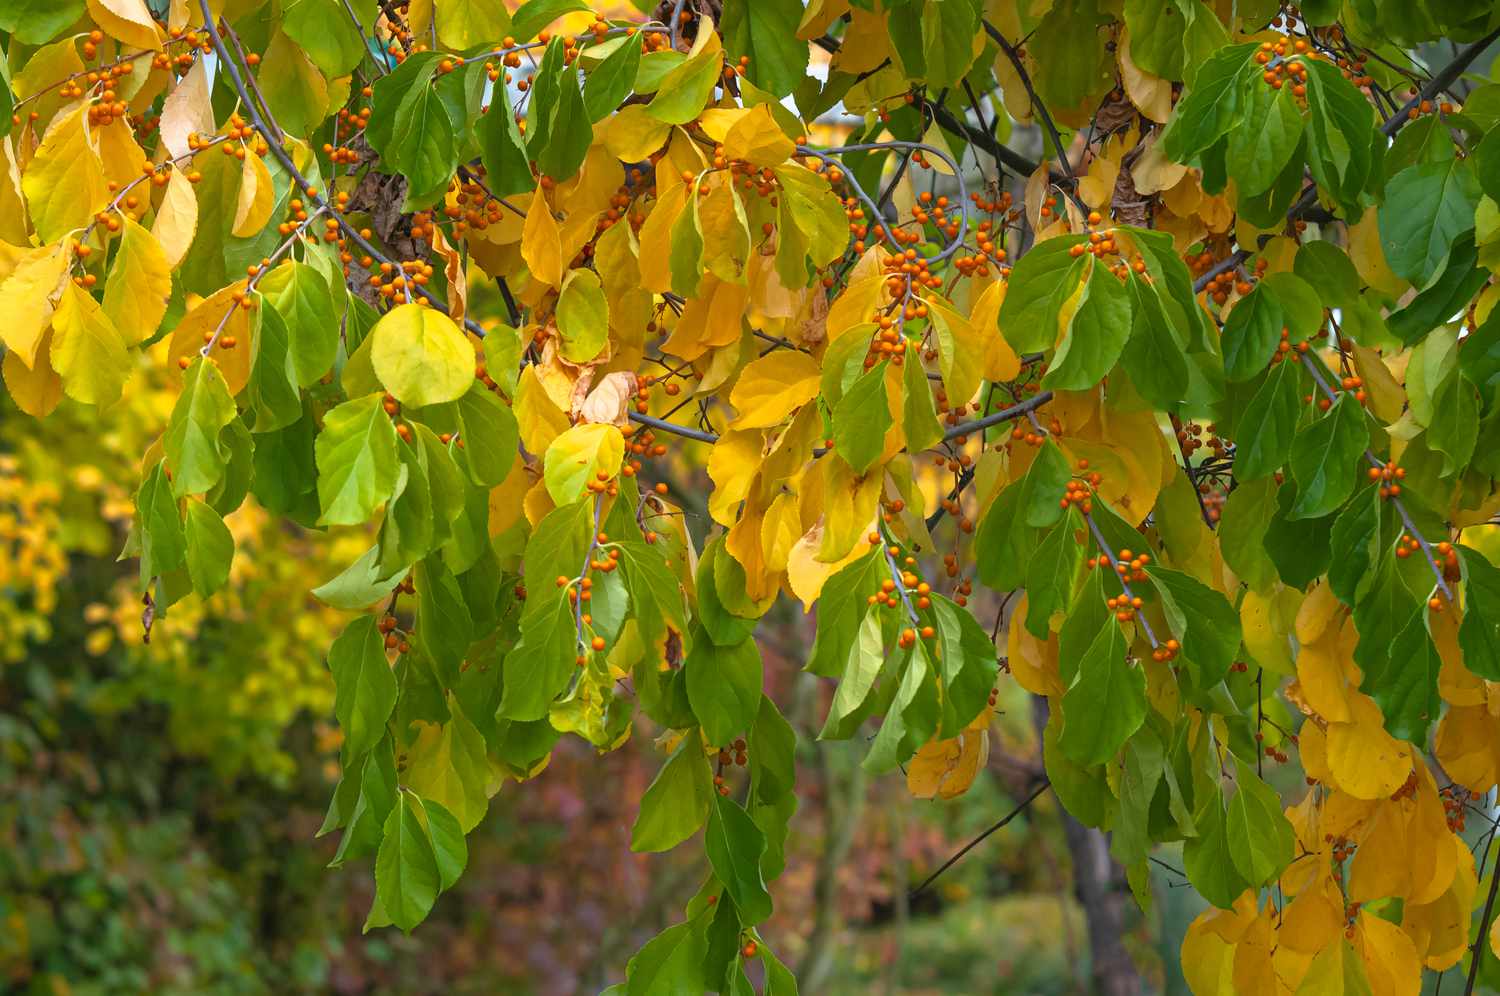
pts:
pixel 159 800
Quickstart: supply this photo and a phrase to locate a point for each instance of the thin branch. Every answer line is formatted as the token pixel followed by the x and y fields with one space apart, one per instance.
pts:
pixel 1047 122
pixel 1044 786
pixel 1483 938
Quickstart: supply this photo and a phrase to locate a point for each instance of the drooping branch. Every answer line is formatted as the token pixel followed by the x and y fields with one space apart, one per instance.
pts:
pixel 1045 784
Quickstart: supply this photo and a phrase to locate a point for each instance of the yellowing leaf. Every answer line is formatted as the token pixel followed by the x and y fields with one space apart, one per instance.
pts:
pixel 1000 361
pixel 757 139
pixel 87 350
pixel 139 284
pixel 187 111
pixel 806 574
pixel 1440 929
pixel 64 182
pixel 26 299
pixel 36 389
pixel 257 198
pixel 656 238
pixel 541 243
pixel 772 387
pixel 120 154
pixel 1151 95
pixel 128 20
pixel 1467 745
pixel 421 356
pixel 1366 761
pixel 177 218
pixel 579 456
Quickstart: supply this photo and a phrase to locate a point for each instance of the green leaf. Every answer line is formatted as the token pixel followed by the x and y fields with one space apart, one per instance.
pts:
pixel 1261 147
pixel 676 802
pixel 1154 356
pixel 1208 624
pixel 841 609
pixel 1260 839
pixel 534 15
pixel 919 420
pixel 735 845
pixel 1479 633
pixel 1298 547
pixel 1213 104
pixel 684 91
pixel 1095 337
pixel 1263 437
pixel 37 22
pixel 359 585
pixel 1004 543
pixel 1329 270
pixel 671 962
pixel 272 391
pixel 1406 687
pixel 723 686
pixel 1046 481
pixel 323 29
pixel 490 434
pixel 357 462
pixel 1051 575
pixel 1341 134
pixel 506 165
pixel 686 259
pixel 773 748
pixel 406 871
pixel 1426 207
pixel 194 453
pixel 1209 858
pixel 1454 427
pixel 448 845
pixel 612 80
pixel 861 418
pixel 163 542
pixel 582 316
pixel 1106 702
pixel 1251 333
pixel 862 665
pixel 766 31
pixel 443 621
pixel 365 688
pixel 558 127
pixel 913 715
pixel 1353 542
pixel 210 548
pixel 1324 459
pixel 1168 37
pixel 1301 308
pixel 1039 284
pixel 300 296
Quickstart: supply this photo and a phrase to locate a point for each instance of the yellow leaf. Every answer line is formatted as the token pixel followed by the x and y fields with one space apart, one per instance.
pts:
pixel 1207 953
pixel 1254 973
pixel 757 139
pixel 806 574
pixel 1321 676
pixel 1369 258
pixel 1315 615
pixel 772 387
pixel 36 389
pixel 854 306
pixel 421 356
pixel 732 465
pixel 577 458
pixel 1366 761
pixel 139 284
pixel 1315 918
pixel 1151 95
pixel 1263 624
pixel 945 769
pixel 26 299
pixel 64 183
pixel 128 20
pixel 1390 958
pixel 177 218
pixel 1439 930
pixel 656 237
pixel 1335 971
pixel 539 419
pixel 1467 745
pixel 217 311
pixel 1001 363
pixel 87 350
pixel 850 501
pixel 781 529
pixel 1033 662
pixel 119 152
pixel 541 243
pixel 257 198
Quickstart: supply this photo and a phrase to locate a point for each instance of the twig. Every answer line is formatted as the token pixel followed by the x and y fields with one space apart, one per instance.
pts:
pixel 1044 786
